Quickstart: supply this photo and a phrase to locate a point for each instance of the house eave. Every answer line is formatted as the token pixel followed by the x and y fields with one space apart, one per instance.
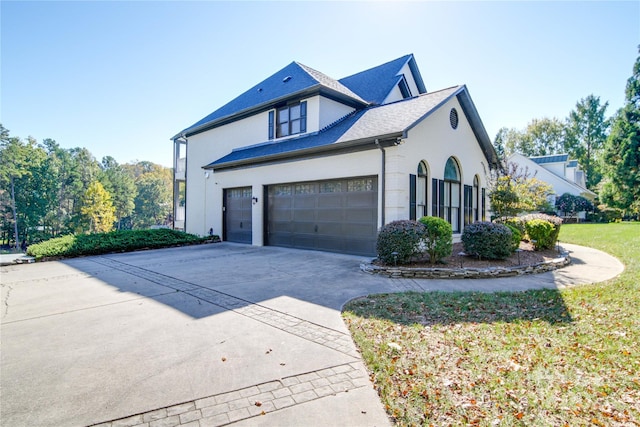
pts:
pixel 334 148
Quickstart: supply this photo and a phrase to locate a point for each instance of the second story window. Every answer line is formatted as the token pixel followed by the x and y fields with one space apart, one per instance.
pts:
pixel 290 120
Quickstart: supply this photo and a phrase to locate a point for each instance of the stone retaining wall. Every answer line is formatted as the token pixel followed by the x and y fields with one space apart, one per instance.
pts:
pixel 466 273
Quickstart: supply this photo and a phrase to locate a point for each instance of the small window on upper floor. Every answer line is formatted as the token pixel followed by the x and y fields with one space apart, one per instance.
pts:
pixel 404 88
pixel 289 120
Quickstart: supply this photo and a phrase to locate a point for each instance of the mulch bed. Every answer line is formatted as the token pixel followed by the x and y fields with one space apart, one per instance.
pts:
pixel 527 257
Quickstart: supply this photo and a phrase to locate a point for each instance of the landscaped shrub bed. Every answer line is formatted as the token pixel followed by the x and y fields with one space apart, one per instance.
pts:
pixel 115 241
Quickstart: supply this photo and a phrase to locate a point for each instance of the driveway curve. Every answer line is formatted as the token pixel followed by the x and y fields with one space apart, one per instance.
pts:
pixel 219 334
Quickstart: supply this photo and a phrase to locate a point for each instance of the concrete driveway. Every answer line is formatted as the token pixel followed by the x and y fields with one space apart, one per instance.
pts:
pixel 203 335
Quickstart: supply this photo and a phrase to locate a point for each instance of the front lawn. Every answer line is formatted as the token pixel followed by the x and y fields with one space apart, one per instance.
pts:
pixel 543 358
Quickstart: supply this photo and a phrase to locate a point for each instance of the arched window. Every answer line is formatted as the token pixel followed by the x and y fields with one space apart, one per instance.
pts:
pixel 418 192
pixel 451 194
pixel 476 197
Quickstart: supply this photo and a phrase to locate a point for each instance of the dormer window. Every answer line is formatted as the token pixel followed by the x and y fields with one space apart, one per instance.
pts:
pixel 289 120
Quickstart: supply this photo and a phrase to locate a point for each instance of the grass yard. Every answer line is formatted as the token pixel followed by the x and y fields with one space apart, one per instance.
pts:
pixel 543 358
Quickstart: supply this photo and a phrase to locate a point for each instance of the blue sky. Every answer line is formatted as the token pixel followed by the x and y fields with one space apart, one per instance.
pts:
pixel 121 78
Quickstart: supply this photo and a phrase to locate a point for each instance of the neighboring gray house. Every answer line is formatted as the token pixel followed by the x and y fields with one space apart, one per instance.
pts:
pixel 557 170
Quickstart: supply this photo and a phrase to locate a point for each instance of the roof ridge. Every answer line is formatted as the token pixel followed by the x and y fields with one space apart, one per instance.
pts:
pixel 324 80
pixel 341 119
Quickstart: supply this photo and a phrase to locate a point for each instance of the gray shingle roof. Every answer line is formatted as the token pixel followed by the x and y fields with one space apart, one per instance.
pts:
pixel 376 83
pixel 294 79
pixel 387 120
pixel 398 116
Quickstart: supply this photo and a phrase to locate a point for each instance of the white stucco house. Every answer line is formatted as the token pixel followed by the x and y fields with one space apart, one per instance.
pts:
pixel 561 173
pixel 306 161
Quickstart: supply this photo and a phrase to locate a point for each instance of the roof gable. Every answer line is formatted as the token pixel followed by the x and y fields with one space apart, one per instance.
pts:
pixel 375 84
pixel 293 80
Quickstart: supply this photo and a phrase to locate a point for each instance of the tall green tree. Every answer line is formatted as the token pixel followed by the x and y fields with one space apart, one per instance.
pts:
pixel 154 199
pixel 587 130
pixel 98 209
pixel 18 159
pixel 541 137
pixel 621 157
pixel 119 182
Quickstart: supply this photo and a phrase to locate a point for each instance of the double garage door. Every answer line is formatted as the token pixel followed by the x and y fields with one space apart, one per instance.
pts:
pixel 339 215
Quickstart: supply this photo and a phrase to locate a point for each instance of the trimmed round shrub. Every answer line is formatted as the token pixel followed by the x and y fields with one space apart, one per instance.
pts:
pixel 402 237
pixel 487 240
pixel 437 238
pixel 556 221
pixel 516 236
pixel 541 233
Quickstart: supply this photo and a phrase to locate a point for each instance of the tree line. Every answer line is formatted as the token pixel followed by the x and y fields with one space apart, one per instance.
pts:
pixel 47 190
pixel 607 148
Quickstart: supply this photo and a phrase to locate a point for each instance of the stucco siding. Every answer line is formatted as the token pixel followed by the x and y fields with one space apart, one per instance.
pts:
pixel 434 140
pixel 330 111
pixel 364 163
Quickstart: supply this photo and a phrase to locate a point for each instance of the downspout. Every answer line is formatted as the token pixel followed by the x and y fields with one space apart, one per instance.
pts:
pixel 383 180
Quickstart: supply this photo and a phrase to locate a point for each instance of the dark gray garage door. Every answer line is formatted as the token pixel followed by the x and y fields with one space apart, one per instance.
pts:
pixel 237 215
pixel 337 216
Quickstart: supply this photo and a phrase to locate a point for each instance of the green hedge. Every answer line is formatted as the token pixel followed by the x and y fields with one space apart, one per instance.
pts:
pixel 115 241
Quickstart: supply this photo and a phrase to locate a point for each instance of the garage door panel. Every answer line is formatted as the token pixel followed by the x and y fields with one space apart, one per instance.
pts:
pixel 304 215
pixel 337 215
pixel 361 200
pixel 359 215
pixel 238 215
pixel 304 202
pixel 332 200
pixel 329 215
pixel 304 241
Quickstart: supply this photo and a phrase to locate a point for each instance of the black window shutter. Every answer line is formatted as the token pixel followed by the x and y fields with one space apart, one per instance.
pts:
pixel 271 124
pixel 484 206
pixel 412 196
pixel 434 197
pixel 441 198
pixel 303 116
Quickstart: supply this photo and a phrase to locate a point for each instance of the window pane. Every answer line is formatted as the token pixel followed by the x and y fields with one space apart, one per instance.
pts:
pixel 455 195
pixel 331 187
pixel 295 126
pixel 304 189
pixel 283 115
pixel 421 191
pixel 283 129
pixel 451 170
pixel 282 190
pixel 294 112
pixel 360 185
